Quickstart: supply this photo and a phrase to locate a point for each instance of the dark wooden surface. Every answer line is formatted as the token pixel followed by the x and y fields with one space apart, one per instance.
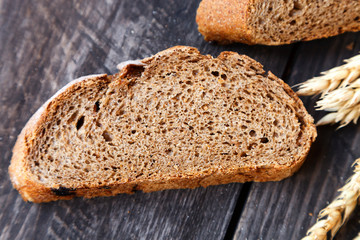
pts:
pixel 45 44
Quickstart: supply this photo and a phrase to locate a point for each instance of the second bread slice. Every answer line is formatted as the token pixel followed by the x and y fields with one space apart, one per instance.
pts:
pixel 274 22
pixel 178 119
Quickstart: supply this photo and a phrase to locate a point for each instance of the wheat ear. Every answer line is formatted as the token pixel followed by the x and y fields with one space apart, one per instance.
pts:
pixel 343 103
pixel 340 93
pixel 336 77
pixel 337 213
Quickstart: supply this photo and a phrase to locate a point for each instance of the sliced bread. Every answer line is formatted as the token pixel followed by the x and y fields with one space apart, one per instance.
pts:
pixel 178 119
pixel 274 22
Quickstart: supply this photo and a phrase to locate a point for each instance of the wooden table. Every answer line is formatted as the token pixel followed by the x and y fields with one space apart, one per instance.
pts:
pixel 45 44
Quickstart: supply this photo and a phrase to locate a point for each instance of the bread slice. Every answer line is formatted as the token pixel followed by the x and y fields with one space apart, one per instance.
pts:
pixel 178 119
pixel 274 22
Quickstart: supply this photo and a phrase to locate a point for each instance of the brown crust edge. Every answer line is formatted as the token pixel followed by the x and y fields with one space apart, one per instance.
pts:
pixel 22 179
pixel 31 190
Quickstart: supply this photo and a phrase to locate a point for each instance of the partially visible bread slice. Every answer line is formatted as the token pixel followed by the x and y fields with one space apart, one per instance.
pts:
pixel 177 120
pixel 275 22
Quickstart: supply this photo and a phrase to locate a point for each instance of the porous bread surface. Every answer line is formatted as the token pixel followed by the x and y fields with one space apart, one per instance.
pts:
pixel 276 22
pixel 288 21
pixel 183 117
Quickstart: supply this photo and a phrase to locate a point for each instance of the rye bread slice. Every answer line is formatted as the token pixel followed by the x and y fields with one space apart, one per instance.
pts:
pixel 178 119
pixel 274 22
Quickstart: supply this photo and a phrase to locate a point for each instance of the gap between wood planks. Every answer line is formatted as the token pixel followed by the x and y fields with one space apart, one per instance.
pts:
pixel 239 207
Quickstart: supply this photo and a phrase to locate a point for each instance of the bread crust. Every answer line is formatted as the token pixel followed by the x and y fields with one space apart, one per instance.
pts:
pixel 224 21
pixel 227 21
pixel 31 188
pixel 22 179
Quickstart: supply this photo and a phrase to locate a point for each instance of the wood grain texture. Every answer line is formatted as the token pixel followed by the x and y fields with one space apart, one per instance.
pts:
pixel 45 44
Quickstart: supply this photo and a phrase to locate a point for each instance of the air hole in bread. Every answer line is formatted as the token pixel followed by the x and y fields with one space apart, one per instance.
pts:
pixel 72 117
pixel 96 106
pixel 120 112
pixel 299 139
pixel 252 133
pixel 43 132
pixel 215 73
pixel 169 151
pixel 80 122
pixel 251 146
pixel 270 96
pixel 264 140
pixel 98 124
pixel 134 71
pixel 107 136
pixel 138 119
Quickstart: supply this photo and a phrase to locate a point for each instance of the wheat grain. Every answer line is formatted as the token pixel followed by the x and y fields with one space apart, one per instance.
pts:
pixel 337 213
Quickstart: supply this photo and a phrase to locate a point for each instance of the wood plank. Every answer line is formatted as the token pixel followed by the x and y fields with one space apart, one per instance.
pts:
pixel 172 214
pixel 44 45
pixel 286 209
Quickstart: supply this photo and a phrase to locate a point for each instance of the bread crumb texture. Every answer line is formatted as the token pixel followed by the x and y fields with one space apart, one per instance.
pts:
pixel 184 117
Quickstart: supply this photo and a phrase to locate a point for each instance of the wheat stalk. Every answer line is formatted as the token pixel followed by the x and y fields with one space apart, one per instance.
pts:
pixel 337 213
pixel 340 92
